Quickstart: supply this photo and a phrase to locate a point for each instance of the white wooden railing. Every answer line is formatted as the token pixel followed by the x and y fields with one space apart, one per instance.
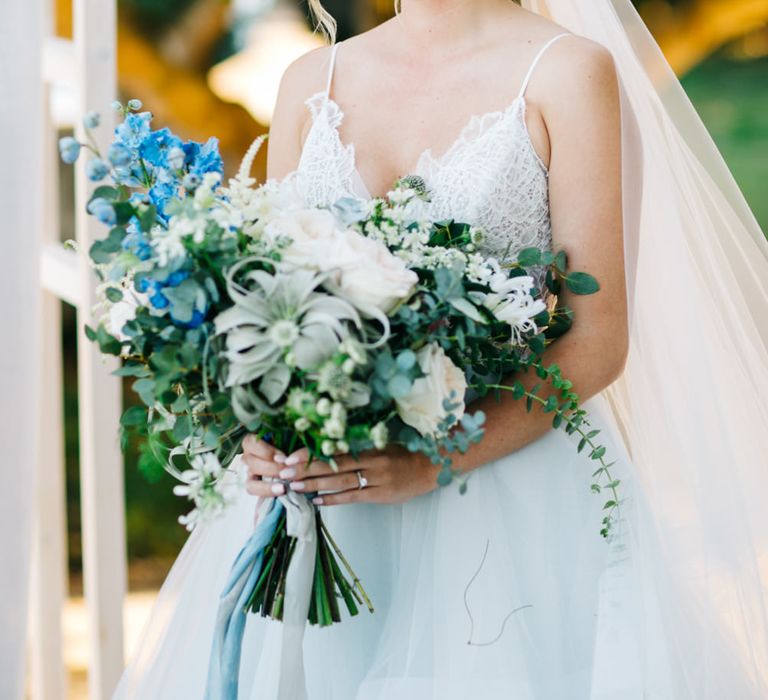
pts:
pixel 86 66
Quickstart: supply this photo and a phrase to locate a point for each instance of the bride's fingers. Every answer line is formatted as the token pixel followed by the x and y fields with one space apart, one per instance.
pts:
pixel 261 449
pixel 296 466
pixel 258 467
pixel 255 486
pixel 334 482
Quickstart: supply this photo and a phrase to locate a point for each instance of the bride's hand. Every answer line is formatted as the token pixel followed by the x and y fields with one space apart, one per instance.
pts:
pixel 394 475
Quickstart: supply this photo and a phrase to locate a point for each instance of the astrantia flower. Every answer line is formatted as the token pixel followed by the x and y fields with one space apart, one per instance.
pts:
pixel 334 381
pixel 301 402
pixel 255 326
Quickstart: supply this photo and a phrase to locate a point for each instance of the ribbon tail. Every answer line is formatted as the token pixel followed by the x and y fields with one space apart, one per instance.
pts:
pixel 300 523
pixel 224 664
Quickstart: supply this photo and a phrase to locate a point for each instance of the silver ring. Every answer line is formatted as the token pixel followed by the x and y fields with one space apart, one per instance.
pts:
pixel 361 480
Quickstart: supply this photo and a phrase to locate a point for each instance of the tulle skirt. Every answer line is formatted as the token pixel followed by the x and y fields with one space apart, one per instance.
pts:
pixel 507 591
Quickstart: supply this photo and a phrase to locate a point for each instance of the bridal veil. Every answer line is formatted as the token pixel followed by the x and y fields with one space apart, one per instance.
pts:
pixel 693 401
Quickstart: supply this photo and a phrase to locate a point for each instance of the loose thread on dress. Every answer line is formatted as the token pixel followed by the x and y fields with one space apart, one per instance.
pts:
pixel 469 612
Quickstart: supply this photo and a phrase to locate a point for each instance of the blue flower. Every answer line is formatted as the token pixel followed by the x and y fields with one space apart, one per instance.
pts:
pixel 136 242
pixel 162 192
pixel 119 155
pixel 125 175
pixel 103 211
pixel 176 278
pixel 96 169
pixel 91 120
pixel 195 322
pixel 159 300
pixel 134 130
pixel 69 148
pixel 139 198
pixel 204 159
pixel 191 182
pixel 156 147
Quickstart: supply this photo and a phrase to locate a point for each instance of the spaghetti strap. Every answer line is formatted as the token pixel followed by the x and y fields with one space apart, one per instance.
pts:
pixel 536 61
pixel 330 69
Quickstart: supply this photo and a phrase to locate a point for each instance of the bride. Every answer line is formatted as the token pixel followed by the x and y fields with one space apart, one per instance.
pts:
pixel 543 137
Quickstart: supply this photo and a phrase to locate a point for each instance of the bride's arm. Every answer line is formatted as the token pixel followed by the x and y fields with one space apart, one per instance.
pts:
pixel 580 111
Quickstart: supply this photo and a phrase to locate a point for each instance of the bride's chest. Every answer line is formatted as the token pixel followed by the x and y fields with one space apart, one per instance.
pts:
pixel 490 176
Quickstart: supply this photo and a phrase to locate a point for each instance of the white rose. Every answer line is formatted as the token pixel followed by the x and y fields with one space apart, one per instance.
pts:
pixel 310 231
pixel 366 273
pixel 422 408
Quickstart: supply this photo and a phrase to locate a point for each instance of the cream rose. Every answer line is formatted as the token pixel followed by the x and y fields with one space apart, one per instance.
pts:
pixel 311 232
pixel 366 274
pixel 362 270
pixel 422 408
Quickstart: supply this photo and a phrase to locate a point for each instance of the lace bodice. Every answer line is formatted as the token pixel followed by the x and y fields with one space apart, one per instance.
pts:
pixel 491 176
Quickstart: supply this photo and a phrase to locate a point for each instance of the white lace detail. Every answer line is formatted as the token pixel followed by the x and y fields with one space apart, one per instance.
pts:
pixel 490 176
pixel 493 178
pixel 326 167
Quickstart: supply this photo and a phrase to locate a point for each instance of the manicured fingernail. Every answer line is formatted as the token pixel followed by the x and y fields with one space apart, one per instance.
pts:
pixel 278 457
pixel 278 489
pixel 317 500
pixel 292 459
pixel 287 473
pixel 297 486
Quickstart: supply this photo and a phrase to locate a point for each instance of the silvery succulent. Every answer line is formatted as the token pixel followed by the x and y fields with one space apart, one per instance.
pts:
pixel 278 321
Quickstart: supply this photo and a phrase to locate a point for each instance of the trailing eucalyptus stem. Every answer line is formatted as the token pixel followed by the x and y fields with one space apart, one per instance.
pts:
pixel 569 415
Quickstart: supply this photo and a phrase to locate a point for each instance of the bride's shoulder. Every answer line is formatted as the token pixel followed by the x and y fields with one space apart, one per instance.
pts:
pixel 307 74
pixel 576 69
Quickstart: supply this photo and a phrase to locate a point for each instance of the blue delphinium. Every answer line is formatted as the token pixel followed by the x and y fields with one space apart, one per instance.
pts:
pixel 96 169
pixel 202 159
pixel 119 154
pixel 134 130
pixel 91 120
pixel 136 241
pixel 69 148
pixel 155 148
pixel 103 211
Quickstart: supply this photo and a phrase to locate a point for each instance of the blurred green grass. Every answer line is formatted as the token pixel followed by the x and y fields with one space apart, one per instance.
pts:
pixel 732 99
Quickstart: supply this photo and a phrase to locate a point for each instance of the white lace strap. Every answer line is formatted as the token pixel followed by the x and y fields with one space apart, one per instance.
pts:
pixel 330 69
pixel 537 59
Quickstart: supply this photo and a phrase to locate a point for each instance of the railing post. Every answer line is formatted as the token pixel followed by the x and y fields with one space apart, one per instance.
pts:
pixel 49 571
pixel 101 476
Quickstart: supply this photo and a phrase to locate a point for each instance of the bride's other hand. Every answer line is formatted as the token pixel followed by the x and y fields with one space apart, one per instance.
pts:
pixel 393 475
pixel 263 460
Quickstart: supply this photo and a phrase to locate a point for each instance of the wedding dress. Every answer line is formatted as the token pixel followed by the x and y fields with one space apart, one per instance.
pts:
pixel 507 591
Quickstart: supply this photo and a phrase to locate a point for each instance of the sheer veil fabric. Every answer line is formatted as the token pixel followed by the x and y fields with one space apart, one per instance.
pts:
pixel 692 403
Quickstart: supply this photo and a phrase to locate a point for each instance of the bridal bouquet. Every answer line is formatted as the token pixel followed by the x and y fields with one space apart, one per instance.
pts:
pixel 237 309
